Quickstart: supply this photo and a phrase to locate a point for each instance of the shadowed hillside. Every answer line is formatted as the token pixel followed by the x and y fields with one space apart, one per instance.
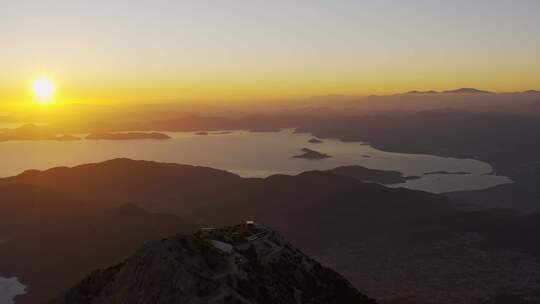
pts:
pixel 376 236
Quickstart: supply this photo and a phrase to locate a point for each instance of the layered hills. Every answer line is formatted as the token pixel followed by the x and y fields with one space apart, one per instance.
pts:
pixel 392 244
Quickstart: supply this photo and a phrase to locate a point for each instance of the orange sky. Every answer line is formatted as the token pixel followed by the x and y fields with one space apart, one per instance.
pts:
pixel 142 51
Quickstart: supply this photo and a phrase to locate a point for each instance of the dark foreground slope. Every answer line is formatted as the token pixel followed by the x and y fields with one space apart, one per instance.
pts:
pixel 390 243
pixel 54 239
pixel 240 264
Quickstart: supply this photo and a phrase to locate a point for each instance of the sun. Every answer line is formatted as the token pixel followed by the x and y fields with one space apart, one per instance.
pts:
pixel 44 90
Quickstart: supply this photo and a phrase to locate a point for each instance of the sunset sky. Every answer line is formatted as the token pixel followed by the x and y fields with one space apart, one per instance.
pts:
pixel 155 50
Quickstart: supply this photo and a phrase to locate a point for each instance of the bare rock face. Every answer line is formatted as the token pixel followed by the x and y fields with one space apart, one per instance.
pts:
pixel 240 264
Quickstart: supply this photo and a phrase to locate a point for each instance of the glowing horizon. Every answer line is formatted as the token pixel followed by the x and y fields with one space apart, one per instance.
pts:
pixel 103 52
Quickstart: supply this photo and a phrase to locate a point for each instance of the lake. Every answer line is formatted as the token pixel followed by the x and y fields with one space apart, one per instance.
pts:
pixel 251 154
pixel 9 287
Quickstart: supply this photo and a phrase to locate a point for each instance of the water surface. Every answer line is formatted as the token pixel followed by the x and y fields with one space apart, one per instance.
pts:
pixel 250 154
pixel 9 289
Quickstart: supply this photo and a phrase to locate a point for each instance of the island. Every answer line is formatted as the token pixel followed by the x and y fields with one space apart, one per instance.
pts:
pixel 448 173
pixel 33 132
pixel 372 175
pixel 315 140
pixel 127 136
pixel 311 154
pixel 67 137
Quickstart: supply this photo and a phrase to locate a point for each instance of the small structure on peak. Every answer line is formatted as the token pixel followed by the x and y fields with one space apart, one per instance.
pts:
pixel 235 264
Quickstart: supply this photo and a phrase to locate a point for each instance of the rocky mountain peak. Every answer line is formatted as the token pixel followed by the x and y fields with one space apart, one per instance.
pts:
pixel 247 263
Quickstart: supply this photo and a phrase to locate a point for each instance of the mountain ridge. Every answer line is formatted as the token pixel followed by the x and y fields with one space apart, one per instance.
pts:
pixel 373 235
pixel 454 91
pixel 246 263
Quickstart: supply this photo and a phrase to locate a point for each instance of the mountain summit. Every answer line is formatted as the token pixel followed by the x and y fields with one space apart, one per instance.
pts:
pixel 456 91
pixel 468 91
pixel 245 263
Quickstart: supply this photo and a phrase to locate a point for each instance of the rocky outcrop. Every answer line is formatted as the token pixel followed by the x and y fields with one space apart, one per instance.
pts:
pixel 241 264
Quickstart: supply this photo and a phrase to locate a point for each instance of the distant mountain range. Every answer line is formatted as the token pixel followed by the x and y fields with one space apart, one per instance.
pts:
pixel 468 91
